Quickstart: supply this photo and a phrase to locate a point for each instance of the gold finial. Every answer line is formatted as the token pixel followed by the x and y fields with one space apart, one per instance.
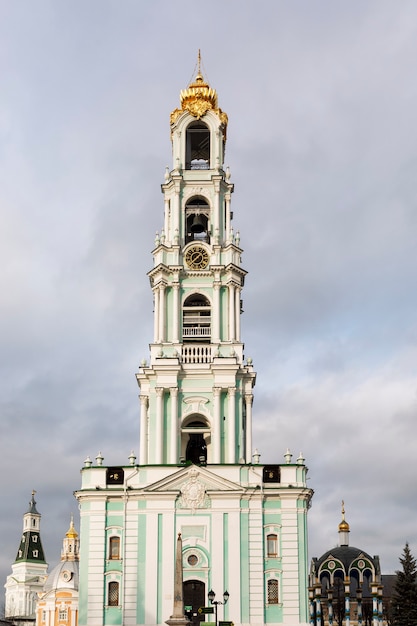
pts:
pixel 71 532
pixel 343 526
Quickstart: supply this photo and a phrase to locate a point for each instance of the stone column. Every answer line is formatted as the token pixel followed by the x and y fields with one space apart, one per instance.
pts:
pixel 156 315
pixel 237 314
pixel 166 220
pixel 330 606
pixel 232 316
pixel 215 314
pixel 317 594
pixel 228 226
pixel 143 452
pixel 231 425
pixel 374 591
pixel 162 313
pixel 311 605
pixel 173 452
pixel 248 426
pixel 159 425
pixel 216 211
pixel 216 434
pixel 347 601
pixel 175 312
pixel 359 605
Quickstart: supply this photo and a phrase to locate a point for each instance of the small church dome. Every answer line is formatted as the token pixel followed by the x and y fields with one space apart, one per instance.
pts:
pixel 63 576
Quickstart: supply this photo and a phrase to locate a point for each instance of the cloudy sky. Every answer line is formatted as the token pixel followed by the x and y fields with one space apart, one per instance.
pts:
pixel 322 147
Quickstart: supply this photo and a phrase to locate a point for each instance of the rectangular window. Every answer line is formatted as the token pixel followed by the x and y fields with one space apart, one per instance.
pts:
pixel 272 591
pixel 113 593
pixel 114 548
pixel 272 545
pixel 62 614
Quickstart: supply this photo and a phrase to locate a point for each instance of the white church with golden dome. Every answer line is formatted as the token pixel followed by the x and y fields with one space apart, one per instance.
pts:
pixel 58 602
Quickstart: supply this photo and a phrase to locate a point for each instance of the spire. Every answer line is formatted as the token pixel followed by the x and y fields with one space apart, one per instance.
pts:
pixel 178 618
pixel 199 63
pixel 30 548
pixel 344 529
pixel 32 504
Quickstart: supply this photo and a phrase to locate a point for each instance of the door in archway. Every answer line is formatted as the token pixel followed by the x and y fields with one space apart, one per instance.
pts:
pixel 194 599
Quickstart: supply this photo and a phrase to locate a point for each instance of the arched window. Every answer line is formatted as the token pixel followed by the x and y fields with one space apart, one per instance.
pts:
pixel 196 319
pixel 195 439
pixel 114 547
pixel 197 213
pixel 272 545
pixel 272 591
pixel 113 593
pixel 197 155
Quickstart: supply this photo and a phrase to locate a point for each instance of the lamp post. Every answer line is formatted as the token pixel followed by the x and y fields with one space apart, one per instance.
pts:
pixel 211 596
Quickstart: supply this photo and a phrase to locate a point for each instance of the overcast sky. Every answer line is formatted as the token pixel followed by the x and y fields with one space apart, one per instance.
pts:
pixel 322 148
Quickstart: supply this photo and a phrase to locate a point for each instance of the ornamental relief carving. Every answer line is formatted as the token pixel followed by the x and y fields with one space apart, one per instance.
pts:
pixel 193 493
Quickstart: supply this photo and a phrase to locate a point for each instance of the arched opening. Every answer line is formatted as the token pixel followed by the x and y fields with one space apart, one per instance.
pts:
pixel 196 322
pixel 197 213
pixel 197 155
pixel 194 593
pixel 195 439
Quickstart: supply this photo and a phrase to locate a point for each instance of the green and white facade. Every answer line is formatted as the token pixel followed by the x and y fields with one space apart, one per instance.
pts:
pixel 243 525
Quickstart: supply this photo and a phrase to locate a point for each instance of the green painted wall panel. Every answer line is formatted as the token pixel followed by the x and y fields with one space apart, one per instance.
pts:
pixel 244 565
pixel 83 591
pixel 141 567
pixel 113 615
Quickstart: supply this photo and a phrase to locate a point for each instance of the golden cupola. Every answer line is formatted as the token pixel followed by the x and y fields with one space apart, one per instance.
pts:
pixel 199 98
pixel 344 529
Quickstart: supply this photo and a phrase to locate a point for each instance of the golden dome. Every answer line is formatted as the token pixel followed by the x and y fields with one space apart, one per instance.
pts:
pixel 71 532
pixel 198 98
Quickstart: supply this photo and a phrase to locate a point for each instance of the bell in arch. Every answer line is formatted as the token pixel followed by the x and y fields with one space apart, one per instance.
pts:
pixel 197 225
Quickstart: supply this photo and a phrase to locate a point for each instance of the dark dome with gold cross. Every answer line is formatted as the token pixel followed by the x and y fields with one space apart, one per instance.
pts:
pixel 344 575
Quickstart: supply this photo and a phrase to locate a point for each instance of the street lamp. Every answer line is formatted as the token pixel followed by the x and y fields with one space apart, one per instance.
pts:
pixel 212 595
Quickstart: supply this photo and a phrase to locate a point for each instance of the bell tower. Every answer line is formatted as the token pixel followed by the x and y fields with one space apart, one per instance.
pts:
pixel 196 392
pixel 243 525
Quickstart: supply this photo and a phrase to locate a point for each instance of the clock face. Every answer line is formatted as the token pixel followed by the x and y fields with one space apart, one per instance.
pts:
pixel 197 258
pixel 66 576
